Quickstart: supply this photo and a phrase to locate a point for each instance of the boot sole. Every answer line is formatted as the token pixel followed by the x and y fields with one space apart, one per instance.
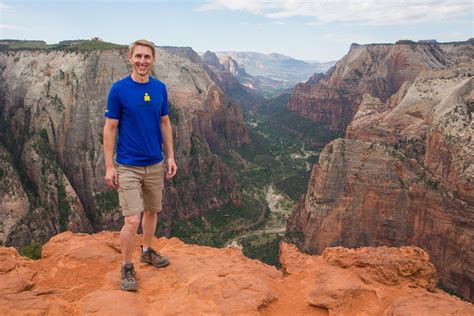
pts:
pixel 157 266
pixel 128 289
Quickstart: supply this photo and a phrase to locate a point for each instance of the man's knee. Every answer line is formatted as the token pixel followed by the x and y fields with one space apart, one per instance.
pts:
pixel 150 213
pixel 132 222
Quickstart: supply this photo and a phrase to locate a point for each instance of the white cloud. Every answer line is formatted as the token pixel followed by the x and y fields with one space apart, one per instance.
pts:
pixel 3 6
pixel 254 6
pixel 368 12
pixel 12 27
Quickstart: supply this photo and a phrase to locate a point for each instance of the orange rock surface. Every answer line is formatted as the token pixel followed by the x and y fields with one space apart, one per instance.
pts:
pixel 79 275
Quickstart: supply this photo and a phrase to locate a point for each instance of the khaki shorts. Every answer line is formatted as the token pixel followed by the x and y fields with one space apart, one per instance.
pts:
pixel 140 188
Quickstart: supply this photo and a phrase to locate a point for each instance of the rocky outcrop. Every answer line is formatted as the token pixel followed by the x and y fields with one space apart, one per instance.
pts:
pixel 79 274
pixel 232 66
pixel 232 79
pixel 376 69
pixel 363 194
pixel 51 107
pixel 430 120
pixel 404 176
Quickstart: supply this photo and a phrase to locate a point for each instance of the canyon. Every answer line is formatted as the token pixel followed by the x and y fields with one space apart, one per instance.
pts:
pixel 51 111
pixel 401 176
pixel 404 172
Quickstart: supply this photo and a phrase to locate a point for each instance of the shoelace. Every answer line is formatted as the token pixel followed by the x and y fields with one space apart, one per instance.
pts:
pixel 128 273
pixel 154 251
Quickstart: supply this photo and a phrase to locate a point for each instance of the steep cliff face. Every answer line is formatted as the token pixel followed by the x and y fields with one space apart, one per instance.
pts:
pixel 233 80
pixel 363 194
pixel 405 174
pixel 211 281
pixel 377 69
pixel 14 204
pixel 52 105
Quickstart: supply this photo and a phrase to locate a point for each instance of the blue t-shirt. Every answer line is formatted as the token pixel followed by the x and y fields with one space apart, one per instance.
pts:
pixel 139 108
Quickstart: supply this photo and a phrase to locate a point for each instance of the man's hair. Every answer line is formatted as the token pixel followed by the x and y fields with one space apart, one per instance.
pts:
pixel 143 43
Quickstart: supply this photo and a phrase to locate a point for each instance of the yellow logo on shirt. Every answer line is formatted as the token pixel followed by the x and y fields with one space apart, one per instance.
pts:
pixel 146 97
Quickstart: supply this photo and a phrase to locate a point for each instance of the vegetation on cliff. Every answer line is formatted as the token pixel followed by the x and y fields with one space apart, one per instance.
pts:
pixel 70 46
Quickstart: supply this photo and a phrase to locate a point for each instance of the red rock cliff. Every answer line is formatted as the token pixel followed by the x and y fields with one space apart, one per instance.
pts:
pixel 405 174
pixel 79 275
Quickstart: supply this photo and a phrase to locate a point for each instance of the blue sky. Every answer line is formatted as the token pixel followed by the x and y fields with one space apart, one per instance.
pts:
pixel 310 30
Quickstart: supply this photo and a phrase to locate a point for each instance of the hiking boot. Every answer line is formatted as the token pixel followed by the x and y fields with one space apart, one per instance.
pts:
pixel 153 257
pixel 128 282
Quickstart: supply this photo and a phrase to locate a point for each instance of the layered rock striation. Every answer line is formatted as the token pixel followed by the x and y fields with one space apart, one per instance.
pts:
pixel 234 80
pixel 404 174
pixel 51 112
pixel 79 274
pixel 376 69
pixel 363 194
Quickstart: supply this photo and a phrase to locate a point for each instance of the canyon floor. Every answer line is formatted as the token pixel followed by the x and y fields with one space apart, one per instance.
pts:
pixel 272 172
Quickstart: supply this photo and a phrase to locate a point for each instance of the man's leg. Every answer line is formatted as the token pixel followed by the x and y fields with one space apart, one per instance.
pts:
pixel 150 255
pixel 149 227
pixel 152 201
pixel 131 202
pixel 128 281
pixel 127 237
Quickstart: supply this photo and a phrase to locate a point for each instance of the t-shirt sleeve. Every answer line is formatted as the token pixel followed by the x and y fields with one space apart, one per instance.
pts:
pixel 114 106
pixel 164 108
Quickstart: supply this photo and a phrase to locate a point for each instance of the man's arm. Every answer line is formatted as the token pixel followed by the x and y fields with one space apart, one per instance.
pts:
pixel 110 133
pixel 167 132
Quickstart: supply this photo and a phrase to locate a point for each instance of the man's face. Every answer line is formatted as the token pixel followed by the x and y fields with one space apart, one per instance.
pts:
pixel 142 60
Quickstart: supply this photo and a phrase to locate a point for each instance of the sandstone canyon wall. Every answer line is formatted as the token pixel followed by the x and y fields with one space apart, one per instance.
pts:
pixel 51 121
pixel 234 81
pixel 404 175
pixel 377 69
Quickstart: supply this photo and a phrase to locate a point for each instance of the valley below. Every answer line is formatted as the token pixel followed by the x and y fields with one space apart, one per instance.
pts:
pixel 272 174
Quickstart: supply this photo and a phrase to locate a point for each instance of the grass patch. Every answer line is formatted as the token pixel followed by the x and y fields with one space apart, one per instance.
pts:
pixel 32 250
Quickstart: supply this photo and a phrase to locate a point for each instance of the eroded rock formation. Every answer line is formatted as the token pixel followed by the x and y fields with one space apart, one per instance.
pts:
pixel 233 80
pixel 51 106
pixel 79 274
pixel 377 69
pixel 404 175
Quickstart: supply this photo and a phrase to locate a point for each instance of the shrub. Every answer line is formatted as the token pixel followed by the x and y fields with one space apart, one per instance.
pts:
pixel 32 250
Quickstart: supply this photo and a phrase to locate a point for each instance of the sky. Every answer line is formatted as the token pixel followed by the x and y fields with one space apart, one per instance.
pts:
pixel 310 30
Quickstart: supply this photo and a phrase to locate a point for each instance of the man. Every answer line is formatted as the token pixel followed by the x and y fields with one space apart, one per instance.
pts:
pixel 137 109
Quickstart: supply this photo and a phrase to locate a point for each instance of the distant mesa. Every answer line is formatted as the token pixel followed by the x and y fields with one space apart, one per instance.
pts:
pixel 428 41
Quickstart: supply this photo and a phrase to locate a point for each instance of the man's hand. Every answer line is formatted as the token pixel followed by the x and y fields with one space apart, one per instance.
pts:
pixel 111 178
pixel 171 168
